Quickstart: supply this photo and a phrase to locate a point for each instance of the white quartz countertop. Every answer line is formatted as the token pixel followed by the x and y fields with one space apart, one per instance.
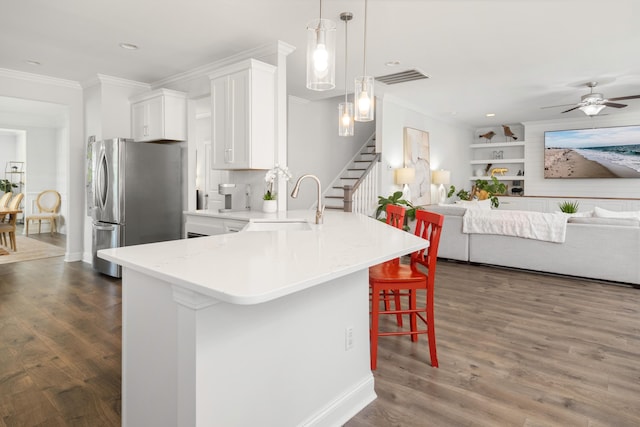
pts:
pixel 255 216
pixel 252 267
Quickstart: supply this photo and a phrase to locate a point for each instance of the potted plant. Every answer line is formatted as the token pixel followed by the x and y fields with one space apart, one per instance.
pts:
pixel 482 190
pixel 396 199
pixel 568 207
pixel 7 186
pixel 269 199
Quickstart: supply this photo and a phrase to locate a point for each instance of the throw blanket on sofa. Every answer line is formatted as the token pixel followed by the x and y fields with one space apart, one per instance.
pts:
pixel 550 227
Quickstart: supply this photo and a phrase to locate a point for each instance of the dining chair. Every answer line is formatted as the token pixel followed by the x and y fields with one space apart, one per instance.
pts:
pixel 47 203
pixel 409 280
pixel 4 200
pixel 14 203
pixel 9 226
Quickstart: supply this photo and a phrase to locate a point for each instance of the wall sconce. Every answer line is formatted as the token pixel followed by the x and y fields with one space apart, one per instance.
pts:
pixel 441 177
pixel 404 177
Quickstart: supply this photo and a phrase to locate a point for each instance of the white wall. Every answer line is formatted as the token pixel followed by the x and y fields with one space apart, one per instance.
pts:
pixel 69 94
pixel 449 144
pixel 315 147
pixel 536 185
pixel 8 143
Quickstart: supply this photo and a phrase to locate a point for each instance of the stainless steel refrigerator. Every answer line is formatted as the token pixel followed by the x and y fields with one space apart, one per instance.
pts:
pixel 135 195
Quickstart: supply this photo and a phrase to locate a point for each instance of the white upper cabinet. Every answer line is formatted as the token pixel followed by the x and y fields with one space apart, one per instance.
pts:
pixel 243 116
pixel 159 115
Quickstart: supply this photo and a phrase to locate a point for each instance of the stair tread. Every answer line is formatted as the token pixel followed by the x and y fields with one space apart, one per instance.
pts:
pixel 357 169
pixel 346 177
pixel 334 197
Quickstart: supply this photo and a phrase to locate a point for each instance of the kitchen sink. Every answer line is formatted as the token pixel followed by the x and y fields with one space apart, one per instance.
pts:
pixel 278 226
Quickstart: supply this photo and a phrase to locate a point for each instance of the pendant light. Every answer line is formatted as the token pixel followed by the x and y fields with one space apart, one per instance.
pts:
pixel 321 54
pixel 363 94
pixel 345 109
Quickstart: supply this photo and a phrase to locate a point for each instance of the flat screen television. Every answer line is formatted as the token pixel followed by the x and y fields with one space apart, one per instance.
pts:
pixel 612 152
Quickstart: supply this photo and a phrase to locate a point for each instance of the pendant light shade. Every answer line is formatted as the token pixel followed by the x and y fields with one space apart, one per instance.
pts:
pixel 345 109
pixel 345 119
pixel 364 99
pixel 363 94
pixel 321 54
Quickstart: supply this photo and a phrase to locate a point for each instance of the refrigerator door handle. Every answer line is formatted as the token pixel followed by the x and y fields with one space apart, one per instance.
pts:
pixel 101 180
pixel 104 227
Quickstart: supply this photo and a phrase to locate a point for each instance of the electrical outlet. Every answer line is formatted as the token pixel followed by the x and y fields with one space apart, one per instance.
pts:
pixel 348 338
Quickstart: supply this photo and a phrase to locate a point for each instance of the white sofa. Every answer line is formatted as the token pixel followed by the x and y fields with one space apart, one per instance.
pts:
pixel 594 247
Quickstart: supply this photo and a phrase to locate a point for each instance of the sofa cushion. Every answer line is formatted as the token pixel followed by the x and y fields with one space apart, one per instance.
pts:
pixel 453 210
pixel 629 222
pixel 603 213
pixel 586 214
pixel 484 205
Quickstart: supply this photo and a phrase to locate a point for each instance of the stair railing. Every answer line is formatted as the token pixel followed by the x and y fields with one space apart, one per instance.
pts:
pixel 362 196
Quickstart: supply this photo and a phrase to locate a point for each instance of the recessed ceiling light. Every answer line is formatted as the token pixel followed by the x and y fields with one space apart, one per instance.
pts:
pixel 129 46
pixel 32 62
pixel 490 114
pixel 392 63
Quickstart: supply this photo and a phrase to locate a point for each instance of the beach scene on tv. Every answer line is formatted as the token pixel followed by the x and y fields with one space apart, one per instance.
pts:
pixel 593 153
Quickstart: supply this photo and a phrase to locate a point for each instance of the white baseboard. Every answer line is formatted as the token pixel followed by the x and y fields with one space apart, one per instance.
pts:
pixel 342 409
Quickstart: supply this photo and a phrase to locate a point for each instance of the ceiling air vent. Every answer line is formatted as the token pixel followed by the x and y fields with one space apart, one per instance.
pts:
pixel 402 77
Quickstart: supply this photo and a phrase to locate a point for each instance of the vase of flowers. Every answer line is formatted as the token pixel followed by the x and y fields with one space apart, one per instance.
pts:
pixel 269 200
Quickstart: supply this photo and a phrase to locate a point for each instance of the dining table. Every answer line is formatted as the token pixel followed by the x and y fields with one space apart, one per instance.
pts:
pixel 12 213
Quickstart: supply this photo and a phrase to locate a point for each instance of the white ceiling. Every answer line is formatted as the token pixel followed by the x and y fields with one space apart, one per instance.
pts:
pixel 508 57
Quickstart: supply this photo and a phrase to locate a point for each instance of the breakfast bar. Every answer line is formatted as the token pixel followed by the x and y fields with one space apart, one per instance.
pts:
pixel 267 326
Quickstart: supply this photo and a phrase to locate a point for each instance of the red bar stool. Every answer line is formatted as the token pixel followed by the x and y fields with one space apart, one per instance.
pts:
pixel 406 280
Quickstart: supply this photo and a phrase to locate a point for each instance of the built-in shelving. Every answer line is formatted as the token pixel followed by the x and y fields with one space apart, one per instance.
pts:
pixel 504 154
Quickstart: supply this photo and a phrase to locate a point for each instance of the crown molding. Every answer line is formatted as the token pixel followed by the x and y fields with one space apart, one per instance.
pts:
pixel 298 100
pixel 114 81
pixel 279 47
pixel 38 78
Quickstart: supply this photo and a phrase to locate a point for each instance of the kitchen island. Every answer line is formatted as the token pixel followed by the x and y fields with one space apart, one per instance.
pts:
pixel 266 328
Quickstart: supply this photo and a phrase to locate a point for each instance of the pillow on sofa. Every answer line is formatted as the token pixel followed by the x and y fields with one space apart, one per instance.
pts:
pixel 587 214
pixel 484 205
pixel 629 222
pixel 603 213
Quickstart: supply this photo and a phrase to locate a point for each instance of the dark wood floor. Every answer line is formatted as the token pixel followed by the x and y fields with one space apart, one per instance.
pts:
pixel 515 349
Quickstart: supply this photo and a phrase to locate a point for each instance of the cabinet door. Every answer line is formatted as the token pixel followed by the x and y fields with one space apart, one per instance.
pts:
pixel 139 119
pixel 220 154
pixel 230 120
pixel 238 139
pixel 155 119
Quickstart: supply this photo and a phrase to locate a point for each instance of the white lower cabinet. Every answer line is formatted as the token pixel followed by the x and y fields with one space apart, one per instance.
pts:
pixel 202 225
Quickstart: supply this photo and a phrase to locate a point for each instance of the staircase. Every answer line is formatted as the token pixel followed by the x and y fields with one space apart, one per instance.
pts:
pixel 355 187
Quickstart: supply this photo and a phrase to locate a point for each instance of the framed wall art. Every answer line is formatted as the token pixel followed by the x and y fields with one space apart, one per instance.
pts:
pixel 416 156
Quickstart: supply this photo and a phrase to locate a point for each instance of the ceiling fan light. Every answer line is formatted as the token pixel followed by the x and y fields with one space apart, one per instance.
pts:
pixel 592 109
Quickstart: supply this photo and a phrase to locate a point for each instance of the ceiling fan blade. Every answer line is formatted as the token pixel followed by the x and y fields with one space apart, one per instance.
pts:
pixel 614 105
pixel 571 109
pixel 556 106
pixel 622 98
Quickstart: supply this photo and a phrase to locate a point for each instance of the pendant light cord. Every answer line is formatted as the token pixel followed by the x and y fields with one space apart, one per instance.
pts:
pixel 346 34
pixel 364 60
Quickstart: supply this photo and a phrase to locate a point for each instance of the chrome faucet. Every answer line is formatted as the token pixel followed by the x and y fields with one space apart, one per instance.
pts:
pixel 320 208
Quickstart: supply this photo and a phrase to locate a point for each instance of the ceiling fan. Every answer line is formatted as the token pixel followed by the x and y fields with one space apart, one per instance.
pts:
pixel 592 103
